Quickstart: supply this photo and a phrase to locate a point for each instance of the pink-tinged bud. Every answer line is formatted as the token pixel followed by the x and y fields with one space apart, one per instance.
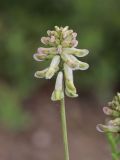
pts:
pixel 41 57
pixel 74 34
pixel 52 33
pixel 107 111
pixel 52 51
pixel 111 112
pixel 74 43
pixel 52 39
pixel 67 34
pixel 45 40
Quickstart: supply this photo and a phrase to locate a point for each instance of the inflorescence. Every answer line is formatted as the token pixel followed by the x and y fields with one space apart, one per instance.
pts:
pixel 61 48
pixel 112 110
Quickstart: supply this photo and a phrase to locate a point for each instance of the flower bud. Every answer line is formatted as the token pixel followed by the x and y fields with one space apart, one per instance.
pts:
pixel 74 34
pixel 111 112
pixel 57 28
pixel 52 39
pixel 47 51
pixel 65 29
pixel 41 57
pixel 74 43
pixel 67 35
pixel 115 122
pixel 115 104
pixel 58 93
pixel 68 42
pixel 41 74
pixel 69 85
pixel 45 40
pixel 52 33
pixel 49 41
pixel 53 67
pixel 109 128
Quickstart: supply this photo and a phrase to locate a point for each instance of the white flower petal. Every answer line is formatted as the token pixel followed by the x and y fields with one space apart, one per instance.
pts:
pixel 58 93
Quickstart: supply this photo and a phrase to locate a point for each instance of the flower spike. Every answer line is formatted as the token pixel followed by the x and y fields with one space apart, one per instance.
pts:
pixel 63 53
pixel 112 110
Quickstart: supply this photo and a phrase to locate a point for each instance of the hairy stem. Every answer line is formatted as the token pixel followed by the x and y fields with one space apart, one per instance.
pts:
pixel 112 142
pixel 64 129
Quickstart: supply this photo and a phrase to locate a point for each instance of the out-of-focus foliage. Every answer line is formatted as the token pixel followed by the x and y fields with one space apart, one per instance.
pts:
pixel 11 112
pixel 97 23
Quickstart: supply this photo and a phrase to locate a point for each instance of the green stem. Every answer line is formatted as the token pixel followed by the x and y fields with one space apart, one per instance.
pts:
pixel 64 129
pixel 113 145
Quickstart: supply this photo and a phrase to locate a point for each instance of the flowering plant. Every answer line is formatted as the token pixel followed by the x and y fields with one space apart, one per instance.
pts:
pixel 112 127
pixel 61 48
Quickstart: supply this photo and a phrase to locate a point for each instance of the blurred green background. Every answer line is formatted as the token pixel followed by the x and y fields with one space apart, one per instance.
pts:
pixel 22 23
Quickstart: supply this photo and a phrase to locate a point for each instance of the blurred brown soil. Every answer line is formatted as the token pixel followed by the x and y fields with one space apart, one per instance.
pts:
pixel 43 140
